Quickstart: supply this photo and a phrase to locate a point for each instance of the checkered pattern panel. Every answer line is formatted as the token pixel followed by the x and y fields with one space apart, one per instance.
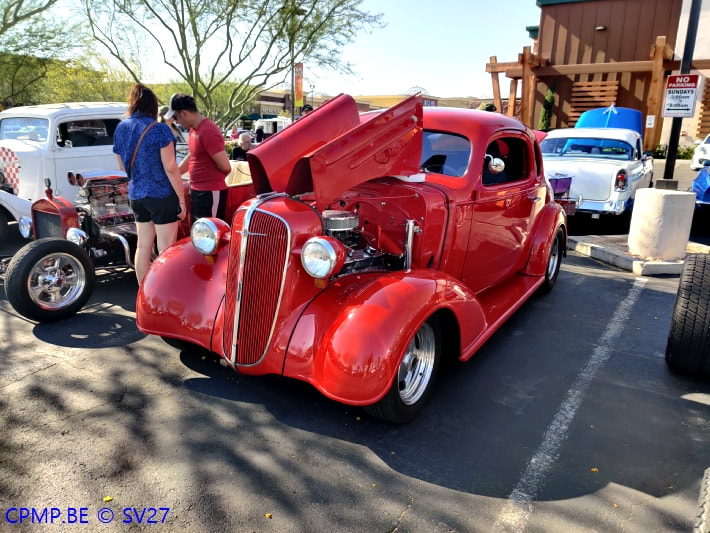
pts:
pixel 10 168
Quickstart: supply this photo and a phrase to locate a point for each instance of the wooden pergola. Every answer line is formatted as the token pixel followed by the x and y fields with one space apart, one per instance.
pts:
pixel 530 67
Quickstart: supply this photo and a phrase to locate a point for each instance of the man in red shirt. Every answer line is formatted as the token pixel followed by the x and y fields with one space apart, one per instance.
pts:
pixel 207 161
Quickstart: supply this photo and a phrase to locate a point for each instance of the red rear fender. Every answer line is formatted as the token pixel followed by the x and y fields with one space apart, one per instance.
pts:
pixel 544 232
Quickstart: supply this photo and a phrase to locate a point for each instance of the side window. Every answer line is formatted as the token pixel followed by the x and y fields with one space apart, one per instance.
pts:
pixel 82 133
pixel 513 152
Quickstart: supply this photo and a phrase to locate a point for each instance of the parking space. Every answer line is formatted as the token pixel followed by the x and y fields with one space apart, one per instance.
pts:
pixel 567 419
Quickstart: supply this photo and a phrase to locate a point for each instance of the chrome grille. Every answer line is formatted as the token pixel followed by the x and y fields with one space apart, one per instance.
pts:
pixel 258 254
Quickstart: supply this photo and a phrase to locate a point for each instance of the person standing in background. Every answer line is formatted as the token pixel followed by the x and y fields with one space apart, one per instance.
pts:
pixel 239 152
pixel 177 134
pixel 259 134
pixel 206 161
pixel 146 152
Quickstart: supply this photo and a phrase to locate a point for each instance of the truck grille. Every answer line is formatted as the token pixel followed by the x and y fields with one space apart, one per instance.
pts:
pixel 47 225
pixel 257 261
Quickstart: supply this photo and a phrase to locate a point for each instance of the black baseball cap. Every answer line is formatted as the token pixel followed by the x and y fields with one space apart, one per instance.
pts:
pixel 180 102
pixel 307 107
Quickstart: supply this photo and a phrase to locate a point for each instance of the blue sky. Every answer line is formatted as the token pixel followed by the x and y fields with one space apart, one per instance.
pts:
pixel 442 46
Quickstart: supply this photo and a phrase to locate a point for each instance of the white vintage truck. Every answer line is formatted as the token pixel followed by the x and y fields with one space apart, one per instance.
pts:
pixel 50 141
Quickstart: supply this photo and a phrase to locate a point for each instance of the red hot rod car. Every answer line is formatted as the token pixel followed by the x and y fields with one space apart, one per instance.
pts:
pixel 376 244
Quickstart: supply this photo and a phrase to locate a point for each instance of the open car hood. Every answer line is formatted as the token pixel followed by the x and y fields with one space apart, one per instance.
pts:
pixel 334 149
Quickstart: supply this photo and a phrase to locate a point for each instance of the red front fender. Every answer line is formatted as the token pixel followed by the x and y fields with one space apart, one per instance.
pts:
pixel 350 340
pixel 181 293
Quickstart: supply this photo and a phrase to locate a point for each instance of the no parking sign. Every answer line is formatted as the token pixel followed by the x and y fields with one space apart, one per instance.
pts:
pixel 681 94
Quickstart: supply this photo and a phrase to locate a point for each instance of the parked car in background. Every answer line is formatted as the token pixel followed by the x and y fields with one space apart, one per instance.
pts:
pixel 701 154
pixel 701 186
pixel 603 166
pixel 52 277
pixel 49 141
pixel 378 245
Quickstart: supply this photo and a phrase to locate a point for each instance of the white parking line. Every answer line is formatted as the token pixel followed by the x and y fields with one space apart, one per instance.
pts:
pixel 516 512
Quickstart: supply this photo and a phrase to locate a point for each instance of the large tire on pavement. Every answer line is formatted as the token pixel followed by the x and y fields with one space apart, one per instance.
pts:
pixel 688 348
pixel 415 377
pixel 49 279
pixel 554 261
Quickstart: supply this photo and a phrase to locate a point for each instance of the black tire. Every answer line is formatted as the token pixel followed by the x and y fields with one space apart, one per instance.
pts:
pixel 688 348
pixel 554 261
pixel 3 225
pixel 413 384
pixel 49 280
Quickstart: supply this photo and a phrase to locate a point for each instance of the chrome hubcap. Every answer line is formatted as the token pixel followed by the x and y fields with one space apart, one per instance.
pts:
pixel 417 366
pixel 554 258
pixel 56 281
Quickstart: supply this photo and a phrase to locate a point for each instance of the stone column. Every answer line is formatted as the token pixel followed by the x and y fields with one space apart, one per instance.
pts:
pixel 660 224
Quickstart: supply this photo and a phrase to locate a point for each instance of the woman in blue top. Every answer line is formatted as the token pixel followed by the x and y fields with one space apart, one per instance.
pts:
pixel 155 188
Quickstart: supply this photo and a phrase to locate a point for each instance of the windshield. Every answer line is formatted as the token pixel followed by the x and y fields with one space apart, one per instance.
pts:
pixel 445 153
pixel 24 128
pixel 586 147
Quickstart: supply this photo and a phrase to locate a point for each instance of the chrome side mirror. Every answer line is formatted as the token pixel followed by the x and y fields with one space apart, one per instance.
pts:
pixel 495 164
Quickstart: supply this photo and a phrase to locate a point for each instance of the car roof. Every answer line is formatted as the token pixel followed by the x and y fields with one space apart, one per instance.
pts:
pixel 618 134
pixel 72 108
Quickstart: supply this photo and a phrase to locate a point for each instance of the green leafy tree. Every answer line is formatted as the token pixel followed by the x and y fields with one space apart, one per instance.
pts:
pixel 25 26
pixel 88 84
pixel 245 45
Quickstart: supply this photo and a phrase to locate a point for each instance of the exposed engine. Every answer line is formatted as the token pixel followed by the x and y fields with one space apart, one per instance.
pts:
pixel 344 226
pixel 105 199
pixel 106 217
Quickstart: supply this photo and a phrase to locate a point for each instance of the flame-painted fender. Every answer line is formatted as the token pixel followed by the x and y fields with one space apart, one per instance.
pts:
pixel 181 294
pixel 548 222
pixel 350 340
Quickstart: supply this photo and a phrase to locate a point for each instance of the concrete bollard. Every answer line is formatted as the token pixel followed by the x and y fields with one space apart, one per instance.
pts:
pixel 660 224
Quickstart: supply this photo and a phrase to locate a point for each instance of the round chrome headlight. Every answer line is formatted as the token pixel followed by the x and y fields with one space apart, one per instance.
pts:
pixel 321 257
pixel 77 236
pixel 204 236
pixel 25 226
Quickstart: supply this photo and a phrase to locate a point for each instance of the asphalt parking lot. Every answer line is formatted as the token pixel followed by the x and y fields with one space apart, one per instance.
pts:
pixel 566 420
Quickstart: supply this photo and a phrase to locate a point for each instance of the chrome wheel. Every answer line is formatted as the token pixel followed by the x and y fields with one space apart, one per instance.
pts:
pixel 417 366
pixel 49 279
pixel 56 281
pixel 414 379
pixel 553 261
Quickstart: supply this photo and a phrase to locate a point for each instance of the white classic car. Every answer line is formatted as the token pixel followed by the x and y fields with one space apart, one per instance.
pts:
pixel 49 141
pixel 701 154
pixel 604 167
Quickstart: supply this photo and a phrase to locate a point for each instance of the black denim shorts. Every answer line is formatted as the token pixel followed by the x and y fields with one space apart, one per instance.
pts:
pixel 156 210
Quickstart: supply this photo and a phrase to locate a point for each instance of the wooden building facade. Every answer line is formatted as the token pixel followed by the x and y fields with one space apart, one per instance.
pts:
pixel 594 53
pixel 601 32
